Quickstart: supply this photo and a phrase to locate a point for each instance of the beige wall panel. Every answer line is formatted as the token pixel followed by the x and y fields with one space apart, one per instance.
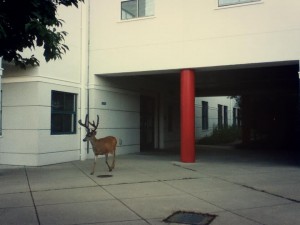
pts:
pixel 21 117
pixel 57 143
pixel 193 34
pixel 18 159
pixel 20 94
pixel 19 141
pixel 116 100
pixel 57 157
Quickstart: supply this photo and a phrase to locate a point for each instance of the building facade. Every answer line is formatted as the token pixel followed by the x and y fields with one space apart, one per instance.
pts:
pixel 129 62
pixel 215 112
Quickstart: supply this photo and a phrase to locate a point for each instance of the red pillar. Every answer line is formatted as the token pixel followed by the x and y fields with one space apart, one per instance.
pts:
pixel 187 109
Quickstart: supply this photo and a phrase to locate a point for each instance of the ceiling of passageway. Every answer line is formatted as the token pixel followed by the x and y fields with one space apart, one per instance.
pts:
pixel 255 80
pixel 231 80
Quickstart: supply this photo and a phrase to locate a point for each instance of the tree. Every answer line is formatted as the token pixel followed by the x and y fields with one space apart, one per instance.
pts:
pixel 25 24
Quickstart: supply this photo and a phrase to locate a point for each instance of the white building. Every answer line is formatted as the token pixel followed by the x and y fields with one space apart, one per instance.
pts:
pixel 214 112
pixel 127 63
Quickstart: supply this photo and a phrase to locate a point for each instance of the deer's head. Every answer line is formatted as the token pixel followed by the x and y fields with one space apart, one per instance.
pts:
pixel 90 133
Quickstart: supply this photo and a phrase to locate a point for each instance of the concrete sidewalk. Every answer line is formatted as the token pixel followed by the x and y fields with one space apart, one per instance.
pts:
pixel 241 188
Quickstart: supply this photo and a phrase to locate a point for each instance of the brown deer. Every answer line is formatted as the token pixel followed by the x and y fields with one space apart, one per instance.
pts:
pixel 101 146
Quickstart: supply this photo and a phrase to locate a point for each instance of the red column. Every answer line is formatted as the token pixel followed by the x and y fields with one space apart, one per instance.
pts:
pixel 187 109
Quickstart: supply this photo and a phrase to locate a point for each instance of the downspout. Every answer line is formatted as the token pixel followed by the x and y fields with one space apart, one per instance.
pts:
pixel 84 79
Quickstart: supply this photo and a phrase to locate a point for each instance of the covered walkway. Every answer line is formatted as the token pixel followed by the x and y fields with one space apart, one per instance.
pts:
pixel 269 93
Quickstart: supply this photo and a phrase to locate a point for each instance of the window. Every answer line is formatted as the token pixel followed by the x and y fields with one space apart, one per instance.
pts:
pixel 234 117
pixel 225 116
pixel 63 113
pixel 136 8
pixel 234 2
pixel 204 115
pixel 220 116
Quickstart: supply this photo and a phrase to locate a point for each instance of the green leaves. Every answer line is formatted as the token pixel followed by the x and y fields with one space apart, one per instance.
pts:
pixel 23 62
pixel 30 23
pixel 53 44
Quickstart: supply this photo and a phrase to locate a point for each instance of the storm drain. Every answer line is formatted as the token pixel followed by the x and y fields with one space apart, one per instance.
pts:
pixel 104 176
pixel 192 218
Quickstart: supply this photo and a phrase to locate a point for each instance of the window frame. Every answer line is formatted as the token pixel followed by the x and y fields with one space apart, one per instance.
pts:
pixel 239 3
pixel 137 10
pixel 72 112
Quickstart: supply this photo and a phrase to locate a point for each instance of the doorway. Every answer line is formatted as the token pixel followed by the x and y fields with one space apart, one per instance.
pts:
pixel 147 115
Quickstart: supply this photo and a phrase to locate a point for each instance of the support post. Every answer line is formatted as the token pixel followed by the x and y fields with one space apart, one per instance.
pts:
pixel 187 109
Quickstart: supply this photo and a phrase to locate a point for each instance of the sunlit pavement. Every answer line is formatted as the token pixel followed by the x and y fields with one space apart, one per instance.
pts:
pixel 239 186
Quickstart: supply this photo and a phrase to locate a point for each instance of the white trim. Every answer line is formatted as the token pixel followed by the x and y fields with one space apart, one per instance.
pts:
pixel 44 79
pixel 112 89
pixel 237 5
pixel 136 19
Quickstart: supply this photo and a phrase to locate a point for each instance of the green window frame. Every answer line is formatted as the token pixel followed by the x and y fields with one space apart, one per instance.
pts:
pixel 63 112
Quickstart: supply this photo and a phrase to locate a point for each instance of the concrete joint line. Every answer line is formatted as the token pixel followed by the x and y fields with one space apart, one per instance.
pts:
pixel 35 208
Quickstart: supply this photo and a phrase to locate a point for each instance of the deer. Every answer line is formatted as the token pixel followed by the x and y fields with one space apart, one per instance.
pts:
pixel 101 146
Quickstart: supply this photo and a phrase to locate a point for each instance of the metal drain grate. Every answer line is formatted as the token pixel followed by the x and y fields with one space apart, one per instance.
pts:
pixel 104 176
pixel 190 218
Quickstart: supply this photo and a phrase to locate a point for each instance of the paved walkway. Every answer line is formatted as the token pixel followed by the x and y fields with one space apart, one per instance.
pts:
pixel 240 187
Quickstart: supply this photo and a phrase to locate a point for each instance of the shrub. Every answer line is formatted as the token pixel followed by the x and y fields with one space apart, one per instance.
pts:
pixel 223 135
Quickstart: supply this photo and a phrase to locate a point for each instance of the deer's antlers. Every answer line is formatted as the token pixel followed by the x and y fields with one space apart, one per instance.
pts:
pixel 86 123
pixel 93 124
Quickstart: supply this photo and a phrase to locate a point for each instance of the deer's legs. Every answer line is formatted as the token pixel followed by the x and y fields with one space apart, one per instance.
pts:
pixel 113 162
pixel 94 165
pixel 106 158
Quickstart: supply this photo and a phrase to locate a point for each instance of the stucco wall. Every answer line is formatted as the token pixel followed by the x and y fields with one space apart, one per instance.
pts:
pixel 26 138
pixel 212 113
pixel 118 112
pixel 188 34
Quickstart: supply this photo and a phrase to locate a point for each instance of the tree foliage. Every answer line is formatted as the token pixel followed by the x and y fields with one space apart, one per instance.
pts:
pixel 25 24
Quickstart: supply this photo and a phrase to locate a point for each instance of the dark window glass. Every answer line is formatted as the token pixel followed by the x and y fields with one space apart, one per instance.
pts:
pixel 234 117
pixel 204 115
pixel 220 116
pixel 136 8
pixel 129 9
pixel 225 116
pixel 63 113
